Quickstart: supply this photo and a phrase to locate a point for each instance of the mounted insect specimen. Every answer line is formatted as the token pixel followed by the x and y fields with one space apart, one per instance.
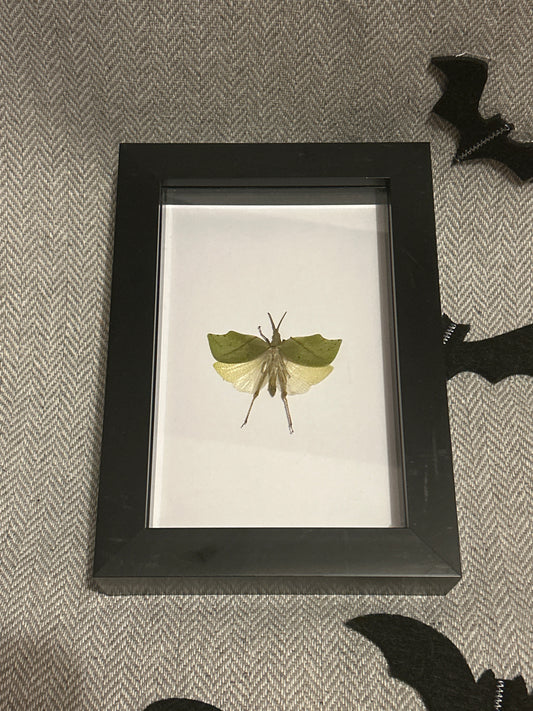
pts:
pixel 293 365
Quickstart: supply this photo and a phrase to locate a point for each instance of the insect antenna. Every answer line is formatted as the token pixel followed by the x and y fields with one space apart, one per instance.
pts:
pixel 274 327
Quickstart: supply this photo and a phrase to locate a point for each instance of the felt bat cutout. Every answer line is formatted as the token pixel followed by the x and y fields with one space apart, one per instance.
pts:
pixel 493 358
pixel 478 137
pixel 292 365
pixel 180 705
pixel 426 660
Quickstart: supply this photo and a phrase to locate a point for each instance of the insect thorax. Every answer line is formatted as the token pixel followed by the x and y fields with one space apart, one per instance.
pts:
pixel 275 370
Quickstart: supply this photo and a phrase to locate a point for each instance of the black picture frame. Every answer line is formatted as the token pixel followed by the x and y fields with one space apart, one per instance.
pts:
pixel 420 558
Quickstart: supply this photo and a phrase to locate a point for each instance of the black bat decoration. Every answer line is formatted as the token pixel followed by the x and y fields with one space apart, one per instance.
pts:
pixel 180 705
pixel 478 137
pixel 494 358
pixel 426 660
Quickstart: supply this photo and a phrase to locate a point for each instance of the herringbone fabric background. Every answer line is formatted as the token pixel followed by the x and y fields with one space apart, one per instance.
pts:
pixel 77 78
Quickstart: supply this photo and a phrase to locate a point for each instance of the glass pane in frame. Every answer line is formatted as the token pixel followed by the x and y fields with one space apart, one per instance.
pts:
pixel 228 256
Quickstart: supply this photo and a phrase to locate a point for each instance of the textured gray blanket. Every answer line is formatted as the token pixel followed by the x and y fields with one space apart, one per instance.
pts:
pixel 77 77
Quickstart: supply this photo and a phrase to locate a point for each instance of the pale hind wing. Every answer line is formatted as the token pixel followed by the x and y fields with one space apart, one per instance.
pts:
pixel 243 376
pixel 301 377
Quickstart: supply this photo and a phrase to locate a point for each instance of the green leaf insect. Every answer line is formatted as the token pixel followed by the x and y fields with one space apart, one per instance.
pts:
pixel 292 365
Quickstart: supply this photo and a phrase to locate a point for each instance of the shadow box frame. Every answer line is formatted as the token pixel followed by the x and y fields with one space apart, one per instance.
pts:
pixel 130 557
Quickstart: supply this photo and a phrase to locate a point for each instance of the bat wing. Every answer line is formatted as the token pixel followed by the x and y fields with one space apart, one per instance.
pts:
pixel 180 705
pixel 493 358
pixel 423 658
pixel 301 378
pixel 516 155
pixel 466 79
pixel 243 376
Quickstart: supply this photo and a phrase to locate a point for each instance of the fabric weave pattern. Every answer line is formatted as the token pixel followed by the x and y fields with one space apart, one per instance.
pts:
pixel 77 78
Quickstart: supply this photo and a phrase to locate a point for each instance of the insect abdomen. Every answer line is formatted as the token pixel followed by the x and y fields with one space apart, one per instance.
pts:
pixel 276 371
pixel 272 382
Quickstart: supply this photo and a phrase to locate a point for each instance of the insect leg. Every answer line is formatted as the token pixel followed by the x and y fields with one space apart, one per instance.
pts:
pixel 256 393
pixel 287 411
pixel 263 335
pixel 249 409
pixel 282 380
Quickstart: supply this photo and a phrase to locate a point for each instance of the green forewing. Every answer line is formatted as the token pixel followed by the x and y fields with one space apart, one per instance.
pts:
pixel 233 347
pixel 313 351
